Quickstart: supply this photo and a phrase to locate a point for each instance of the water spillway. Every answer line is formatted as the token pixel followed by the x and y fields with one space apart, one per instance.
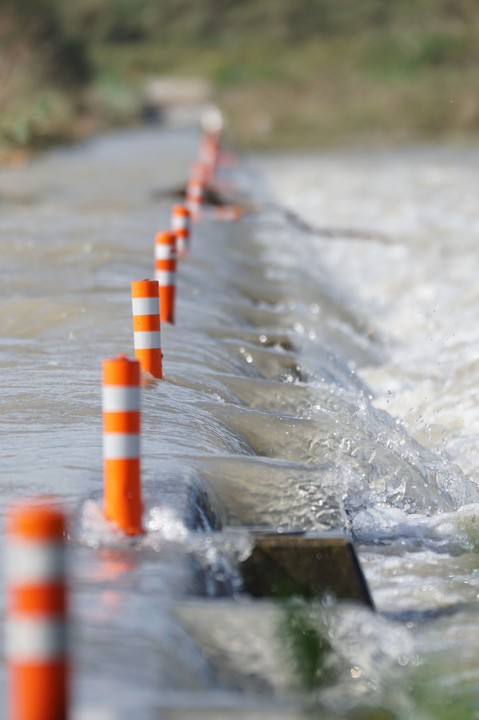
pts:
pixel 290 402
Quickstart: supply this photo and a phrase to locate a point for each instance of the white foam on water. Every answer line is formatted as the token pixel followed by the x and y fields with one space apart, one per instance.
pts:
pixel 418 289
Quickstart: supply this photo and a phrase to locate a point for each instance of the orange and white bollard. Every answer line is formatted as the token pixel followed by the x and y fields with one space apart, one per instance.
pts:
pixel 121 443
pixel 145 302
pixel 209 154
pixel 198 171
pixel 195 196
pixel 36 608
pixel 165 274
pixel 181 226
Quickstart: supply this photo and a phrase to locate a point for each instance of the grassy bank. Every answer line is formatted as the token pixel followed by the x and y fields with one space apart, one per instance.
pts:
pixel 288 73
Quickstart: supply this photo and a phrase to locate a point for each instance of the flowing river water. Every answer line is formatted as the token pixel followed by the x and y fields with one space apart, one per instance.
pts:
pixel 322 373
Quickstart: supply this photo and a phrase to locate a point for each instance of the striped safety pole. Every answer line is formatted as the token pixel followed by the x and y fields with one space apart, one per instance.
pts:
pixel 145 301
pixel 165 273
pixel 121 443
pixel 195 195
pixel 198 171
pixel 181 226
pixel 209 154
pixel 36 608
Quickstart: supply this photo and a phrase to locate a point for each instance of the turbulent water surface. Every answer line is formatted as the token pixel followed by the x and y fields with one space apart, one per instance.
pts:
pixel 322 373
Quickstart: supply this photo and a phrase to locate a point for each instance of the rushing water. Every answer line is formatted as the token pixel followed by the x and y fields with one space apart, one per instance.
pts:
pixel 312 381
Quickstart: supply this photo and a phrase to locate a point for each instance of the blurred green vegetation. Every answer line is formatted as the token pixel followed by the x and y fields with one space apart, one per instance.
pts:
pixel 287 73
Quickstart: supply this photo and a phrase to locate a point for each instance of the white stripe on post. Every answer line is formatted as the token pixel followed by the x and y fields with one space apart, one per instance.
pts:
pixel 165 277
pixel 145 306
pixel 30 562
pixel 29 639
pixel 147 339
pixel 121 446
pixel 179 222
pixel 165 252
pixel 118 398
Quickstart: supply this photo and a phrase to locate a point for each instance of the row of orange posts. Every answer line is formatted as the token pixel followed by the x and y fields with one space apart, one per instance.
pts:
pixel 36 598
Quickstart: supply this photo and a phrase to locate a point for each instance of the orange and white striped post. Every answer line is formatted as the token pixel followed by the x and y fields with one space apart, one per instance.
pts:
pixel 165 273
pixel 145 302
pixel 209 154
pixel 198 171
pixel 36 608
pixel 195 195
pixel 181 226
pixel 121 443
pixel 195 189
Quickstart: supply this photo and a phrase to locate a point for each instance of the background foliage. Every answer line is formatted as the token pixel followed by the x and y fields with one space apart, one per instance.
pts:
pixel 287 72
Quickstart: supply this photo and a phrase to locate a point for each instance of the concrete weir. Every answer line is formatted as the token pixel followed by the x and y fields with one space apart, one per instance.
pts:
pixel 277 513
pixel 271 563
pixel 217 604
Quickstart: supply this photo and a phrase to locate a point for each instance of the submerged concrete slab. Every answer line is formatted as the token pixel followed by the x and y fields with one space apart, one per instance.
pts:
pixel 309 565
